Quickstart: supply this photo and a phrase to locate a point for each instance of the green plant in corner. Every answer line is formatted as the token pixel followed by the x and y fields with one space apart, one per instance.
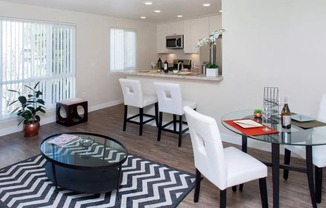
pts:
pixel 29 106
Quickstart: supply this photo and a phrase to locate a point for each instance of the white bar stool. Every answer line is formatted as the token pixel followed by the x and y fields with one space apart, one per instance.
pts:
pixel 133 96
pixel 170 101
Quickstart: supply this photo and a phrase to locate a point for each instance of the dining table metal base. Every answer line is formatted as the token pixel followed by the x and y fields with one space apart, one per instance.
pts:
pixel 276 166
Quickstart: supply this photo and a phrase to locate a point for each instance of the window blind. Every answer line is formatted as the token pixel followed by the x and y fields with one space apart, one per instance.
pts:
pixel 122 49
pixel 32 52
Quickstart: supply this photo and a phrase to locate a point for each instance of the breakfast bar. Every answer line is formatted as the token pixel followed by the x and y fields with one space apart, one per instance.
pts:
pixel 187 75
pixel 194 86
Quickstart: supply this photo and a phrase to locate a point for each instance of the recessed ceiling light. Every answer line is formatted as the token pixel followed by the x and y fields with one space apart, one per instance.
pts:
pixel 157 11
pixel 179 16
pixel 206 4
pixel 220 11
pixel 143 17
pixel 148 3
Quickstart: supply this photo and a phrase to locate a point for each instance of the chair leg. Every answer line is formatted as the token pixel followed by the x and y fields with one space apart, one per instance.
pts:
pixel 263 192
pixel 159 126
pixel 174 122
pixel 287 158
pixel 234 188
pixel 223 198
pixel 318 182
pixel 156 114
pixel 241 187
pixel 197 187
pixel 125 118
pixel 141 117
pixel 180 131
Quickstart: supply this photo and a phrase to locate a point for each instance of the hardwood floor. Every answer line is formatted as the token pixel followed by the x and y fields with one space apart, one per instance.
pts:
pixel 293 192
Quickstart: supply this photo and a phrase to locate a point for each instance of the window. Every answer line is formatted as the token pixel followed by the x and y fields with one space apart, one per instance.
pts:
pixel 122 50
pixel 32 52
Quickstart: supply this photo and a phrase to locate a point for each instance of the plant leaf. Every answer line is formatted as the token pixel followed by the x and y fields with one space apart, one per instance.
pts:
pixel 29 87
pixel 22 99
pixel 35 86
pixel 40 101
pixel 37 117
pixel 12 102
pixel 14 91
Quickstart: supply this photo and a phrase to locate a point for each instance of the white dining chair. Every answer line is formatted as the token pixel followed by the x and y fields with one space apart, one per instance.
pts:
pixel 170 101
pixel 318 154
pixel 224 167
pixel 133 96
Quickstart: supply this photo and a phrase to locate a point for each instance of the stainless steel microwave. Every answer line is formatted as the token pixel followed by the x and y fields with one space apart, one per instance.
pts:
pixel 174 41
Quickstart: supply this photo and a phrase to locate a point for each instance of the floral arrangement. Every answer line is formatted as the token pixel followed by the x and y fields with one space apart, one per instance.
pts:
pixel 211 40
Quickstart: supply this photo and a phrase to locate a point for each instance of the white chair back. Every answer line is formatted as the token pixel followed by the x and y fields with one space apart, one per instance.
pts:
pixel 132 92
pixel 322 109
pixel 169 98
pixel 207 146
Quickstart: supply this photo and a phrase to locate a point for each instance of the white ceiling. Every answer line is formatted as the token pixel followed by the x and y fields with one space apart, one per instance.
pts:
pixel 133 9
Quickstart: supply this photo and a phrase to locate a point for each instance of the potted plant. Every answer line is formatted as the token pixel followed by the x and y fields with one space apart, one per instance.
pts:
pixel 211 68
pixel 258 113
pixel 28 108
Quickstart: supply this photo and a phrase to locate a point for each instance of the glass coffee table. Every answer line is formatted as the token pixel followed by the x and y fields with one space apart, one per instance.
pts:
pixel 84 162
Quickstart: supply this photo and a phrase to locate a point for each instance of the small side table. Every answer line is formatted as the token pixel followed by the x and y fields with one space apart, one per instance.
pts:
pixel 70 106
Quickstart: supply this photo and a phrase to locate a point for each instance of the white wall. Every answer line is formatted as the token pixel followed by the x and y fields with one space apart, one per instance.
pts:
pixel 272 43
pixel 94 83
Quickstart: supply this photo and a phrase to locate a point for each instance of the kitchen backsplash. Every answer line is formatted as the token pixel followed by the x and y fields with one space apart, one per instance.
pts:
pixel 179 55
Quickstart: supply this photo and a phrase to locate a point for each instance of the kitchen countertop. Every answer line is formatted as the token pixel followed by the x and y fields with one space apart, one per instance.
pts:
pixel 181 75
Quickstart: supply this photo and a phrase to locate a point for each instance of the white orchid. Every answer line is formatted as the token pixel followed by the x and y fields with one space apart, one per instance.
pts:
pixel 211 39
pixel 203 42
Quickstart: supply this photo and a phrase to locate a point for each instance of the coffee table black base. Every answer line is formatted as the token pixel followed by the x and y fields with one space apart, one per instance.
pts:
pixel 84 181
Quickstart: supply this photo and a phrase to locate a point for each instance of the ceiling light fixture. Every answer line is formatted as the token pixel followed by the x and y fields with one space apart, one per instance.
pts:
pixel 220 11
pixel 179 16
pixel 157 11
pixel 142 17
pixel 206 4
pixel 148 3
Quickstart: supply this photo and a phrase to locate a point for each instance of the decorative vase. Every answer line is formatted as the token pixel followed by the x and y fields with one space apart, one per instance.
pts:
pixel 212 72
pixel 258 115
pixel 31 130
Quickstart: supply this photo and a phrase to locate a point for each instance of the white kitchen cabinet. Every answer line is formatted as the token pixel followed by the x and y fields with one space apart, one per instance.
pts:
pixel 215 23
pixel 162 30
pixel 187 36
pixel 194 30
pixel 176 28
pixel 166 29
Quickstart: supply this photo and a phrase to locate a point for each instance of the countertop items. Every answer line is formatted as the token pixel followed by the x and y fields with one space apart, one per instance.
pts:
pixel 180 75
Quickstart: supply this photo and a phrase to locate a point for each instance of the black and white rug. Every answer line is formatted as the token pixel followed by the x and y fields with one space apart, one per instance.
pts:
pixel 145 184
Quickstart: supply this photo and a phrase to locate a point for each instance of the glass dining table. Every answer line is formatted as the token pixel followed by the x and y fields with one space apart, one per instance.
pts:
pixel 295 136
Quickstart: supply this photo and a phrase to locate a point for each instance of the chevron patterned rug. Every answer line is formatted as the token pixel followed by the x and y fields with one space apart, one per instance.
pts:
pixel 145 184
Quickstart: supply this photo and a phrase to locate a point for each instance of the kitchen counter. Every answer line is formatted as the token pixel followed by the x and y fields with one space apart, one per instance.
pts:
pixel 181 75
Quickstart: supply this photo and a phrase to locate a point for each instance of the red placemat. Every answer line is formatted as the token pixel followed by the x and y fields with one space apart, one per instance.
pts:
pixel 251 131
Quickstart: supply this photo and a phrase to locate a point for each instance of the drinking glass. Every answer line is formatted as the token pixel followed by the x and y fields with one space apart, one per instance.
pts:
pixel 153 65
pixel 267 115
pixel 271 99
